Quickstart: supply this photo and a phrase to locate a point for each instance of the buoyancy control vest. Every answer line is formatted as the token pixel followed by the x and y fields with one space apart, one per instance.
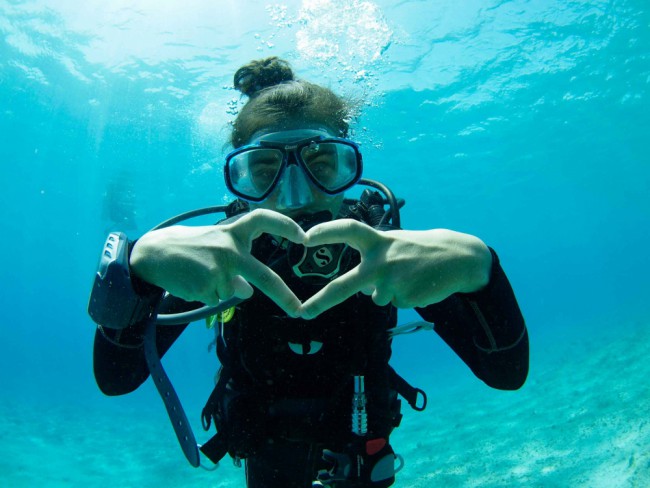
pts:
pixel 294 378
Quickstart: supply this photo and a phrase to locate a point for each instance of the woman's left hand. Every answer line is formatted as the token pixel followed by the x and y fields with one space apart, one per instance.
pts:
pixel 406 268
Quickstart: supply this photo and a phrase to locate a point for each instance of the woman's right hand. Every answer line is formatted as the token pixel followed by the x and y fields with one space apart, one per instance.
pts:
pixel 213 263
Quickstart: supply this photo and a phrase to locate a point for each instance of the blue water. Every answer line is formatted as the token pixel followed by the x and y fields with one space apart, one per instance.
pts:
pixel 523 122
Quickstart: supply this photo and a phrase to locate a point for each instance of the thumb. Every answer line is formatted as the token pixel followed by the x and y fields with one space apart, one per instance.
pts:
pixel 242 288
pixel 368 290
pixel 382 297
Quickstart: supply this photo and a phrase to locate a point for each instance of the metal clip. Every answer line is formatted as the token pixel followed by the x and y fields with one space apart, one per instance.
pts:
pixel 410 328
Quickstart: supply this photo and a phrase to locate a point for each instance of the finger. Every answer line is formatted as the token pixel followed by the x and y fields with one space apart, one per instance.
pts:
pixel 261 221
pixel 368 290
pixel 349 231
pixel 404 303
pixel 269 283
pixel 334 293
pixel 382 297
pixel 211 299
pixel 207 295
pixel 241 288
pixel 224 288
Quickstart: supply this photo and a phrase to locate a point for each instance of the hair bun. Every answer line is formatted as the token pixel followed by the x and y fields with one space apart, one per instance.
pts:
pixel 262 73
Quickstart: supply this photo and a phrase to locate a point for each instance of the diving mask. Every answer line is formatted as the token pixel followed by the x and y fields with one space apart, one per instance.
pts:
pixel 291 160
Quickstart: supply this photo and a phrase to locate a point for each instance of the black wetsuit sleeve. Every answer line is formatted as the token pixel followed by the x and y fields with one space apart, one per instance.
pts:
pixel 119 363
pixel 486 329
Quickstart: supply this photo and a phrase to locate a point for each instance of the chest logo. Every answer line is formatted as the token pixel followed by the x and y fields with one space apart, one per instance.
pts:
pixel 322 257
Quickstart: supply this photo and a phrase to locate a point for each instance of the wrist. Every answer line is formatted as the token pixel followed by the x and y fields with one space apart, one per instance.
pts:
pixel 117 301
pixel 138 258
pixel 145 256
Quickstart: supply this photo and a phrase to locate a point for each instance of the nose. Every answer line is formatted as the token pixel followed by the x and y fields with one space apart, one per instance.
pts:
pixel 294 190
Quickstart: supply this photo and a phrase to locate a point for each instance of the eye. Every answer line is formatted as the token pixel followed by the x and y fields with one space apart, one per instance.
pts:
pixel 263 174
pixel 321 161
pixel 264 166
pixel 322 167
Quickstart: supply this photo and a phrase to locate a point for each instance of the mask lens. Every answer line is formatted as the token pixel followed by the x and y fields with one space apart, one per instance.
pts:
pixel 333 165
pixel 252 173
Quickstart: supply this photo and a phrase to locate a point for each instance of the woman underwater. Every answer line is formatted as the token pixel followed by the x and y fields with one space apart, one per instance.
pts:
pixel 304 353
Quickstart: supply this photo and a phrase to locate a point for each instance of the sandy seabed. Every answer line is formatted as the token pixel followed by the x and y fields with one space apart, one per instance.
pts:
pixel 582 420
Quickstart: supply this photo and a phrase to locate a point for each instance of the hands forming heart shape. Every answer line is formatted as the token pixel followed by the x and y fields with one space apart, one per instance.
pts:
pixel 405 268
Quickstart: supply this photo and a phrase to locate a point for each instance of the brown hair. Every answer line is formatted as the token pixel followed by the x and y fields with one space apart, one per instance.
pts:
pixel 274 95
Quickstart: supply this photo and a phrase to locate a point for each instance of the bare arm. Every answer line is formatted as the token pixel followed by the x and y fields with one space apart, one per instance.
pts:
pixel 406 268
pixel 213 263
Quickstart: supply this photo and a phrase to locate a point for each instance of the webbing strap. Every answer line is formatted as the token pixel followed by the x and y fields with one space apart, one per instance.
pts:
pixel 169 397
pixel 216 448
pixel 409 392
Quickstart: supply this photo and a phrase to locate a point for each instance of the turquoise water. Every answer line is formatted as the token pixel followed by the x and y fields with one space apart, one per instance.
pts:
pixel 523 122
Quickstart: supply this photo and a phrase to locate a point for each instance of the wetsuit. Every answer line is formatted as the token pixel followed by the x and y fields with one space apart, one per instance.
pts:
pixel 292 377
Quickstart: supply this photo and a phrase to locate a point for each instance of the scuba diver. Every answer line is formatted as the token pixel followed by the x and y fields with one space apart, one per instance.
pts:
pixel 119 203
pixel 312 281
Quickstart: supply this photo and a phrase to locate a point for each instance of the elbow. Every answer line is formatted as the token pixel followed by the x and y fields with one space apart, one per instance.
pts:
pixel 110 389
pixel 117 371
pixel 114 379
pixel 510 379
pixel 507 370
pixel 110 386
